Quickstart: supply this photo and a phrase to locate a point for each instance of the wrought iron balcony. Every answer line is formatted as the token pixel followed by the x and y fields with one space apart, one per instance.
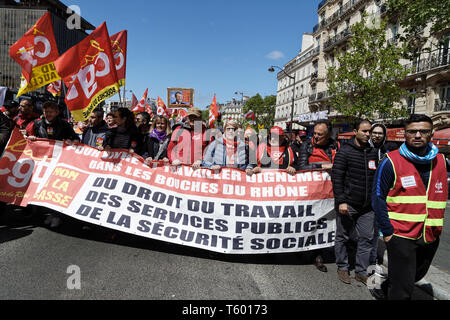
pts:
pixel 315 28
pixel 321 4
pixel 428 61
pixel 341 11
pixel 337 39
pixel 441 105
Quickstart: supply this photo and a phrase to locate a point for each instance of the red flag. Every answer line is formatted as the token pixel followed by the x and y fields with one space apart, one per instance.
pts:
pixel 119 48
pixel 55 88
pixel 89 73
pixel 134 101
pixel 162 109
pixel 36 48
pixel 213 113
pixel 148 109
pixel 181 114
pixel 140 107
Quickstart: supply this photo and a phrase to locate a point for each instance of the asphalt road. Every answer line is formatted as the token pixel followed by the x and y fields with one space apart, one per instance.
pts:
pixel 442 258
pixel 34 264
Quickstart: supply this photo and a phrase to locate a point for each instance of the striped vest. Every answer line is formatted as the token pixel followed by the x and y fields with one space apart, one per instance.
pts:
pixel 413 210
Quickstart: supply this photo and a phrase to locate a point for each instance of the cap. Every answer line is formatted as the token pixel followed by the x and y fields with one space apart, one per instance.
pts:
pixel 302 133
pixel 195 112
pixel 277 130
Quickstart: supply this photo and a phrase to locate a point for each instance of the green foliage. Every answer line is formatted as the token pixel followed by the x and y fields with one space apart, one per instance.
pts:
pixel 264 109
pixel 205 115
pixel 365 83
pixel 415 15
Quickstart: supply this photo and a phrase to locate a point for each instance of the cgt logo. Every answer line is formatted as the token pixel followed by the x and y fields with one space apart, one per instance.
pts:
pixel 41 49
pixel 439 187
pixel 89 73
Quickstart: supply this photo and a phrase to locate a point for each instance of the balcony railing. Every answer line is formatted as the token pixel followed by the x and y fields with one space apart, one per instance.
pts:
pixel 342 10
pixel 314 74
pixel 321 4
pixel 316 27
pixel 304 57
pixel 426 62
pixel 337 38
pixel 319 96
pixel 441 105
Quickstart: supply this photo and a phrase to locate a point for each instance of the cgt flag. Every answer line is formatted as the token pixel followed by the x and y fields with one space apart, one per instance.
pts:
pixel 162 109
pixel 35 52
pixel 134 101
pixel 181 114
pixel 140 107
pixel 213 113
pixel 89 72
pixel 55 88
pixel 119 48
pixel 148 109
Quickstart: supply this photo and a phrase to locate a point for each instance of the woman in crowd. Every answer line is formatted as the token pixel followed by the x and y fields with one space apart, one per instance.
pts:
pixel 111 120
pixel 125 135
pixel 276 154
pixel 143 123
pixel 157 141
pixel 228 150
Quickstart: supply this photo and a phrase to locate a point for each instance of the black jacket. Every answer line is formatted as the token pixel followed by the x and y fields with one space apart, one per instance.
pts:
pixel 132 139
pixel 57 130
pixel 352 175
pixel 95 136
pixel 306 150
pixel 151 147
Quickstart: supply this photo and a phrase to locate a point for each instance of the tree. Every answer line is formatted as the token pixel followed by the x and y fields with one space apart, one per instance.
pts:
pixel 364 83
pixel 264 110
pixel 415 15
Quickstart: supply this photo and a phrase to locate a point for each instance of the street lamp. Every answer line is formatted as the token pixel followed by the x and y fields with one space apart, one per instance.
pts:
pixel 242 95
pixel 272 69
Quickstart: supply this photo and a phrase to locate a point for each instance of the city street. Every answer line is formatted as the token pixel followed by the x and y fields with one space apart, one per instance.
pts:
pixel 37 262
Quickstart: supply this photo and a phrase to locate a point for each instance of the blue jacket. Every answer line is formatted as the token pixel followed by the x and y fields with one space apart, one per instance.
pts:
pixel 215 154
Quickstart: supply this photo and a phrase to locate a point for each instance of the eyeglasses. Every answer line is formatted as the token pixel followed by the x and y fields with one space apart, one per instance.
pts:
pixel 231 129
pixel 423 132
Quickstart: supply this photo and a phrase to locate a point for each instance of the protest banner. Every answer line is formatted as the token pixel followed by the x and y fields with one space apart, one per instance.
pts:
pixel 224 211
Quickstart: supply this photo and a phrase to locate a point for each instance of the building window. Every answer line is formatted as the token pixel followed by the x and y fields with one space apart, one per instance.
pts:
pixel 411 105
pixel 443 103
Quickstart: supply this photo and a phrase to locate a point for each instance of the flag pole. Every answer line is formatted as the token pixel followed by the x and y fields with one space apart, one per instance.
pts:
pixel 63 89
pixel 120 98
pixel 124 94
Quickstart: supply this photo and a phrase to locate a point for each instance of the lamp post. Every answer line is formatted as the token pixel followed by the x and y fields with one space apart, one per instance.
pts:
pixel 242 95
pixel 272 69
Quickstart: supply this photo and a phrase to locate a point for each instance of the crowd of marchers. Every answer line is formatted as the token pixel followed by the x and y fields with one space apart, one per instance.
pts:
pixel 396 194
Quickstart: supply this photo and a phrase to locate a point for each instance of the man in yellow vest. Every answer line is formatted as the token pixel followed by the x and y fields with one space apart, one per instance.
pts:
pixel 409 197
